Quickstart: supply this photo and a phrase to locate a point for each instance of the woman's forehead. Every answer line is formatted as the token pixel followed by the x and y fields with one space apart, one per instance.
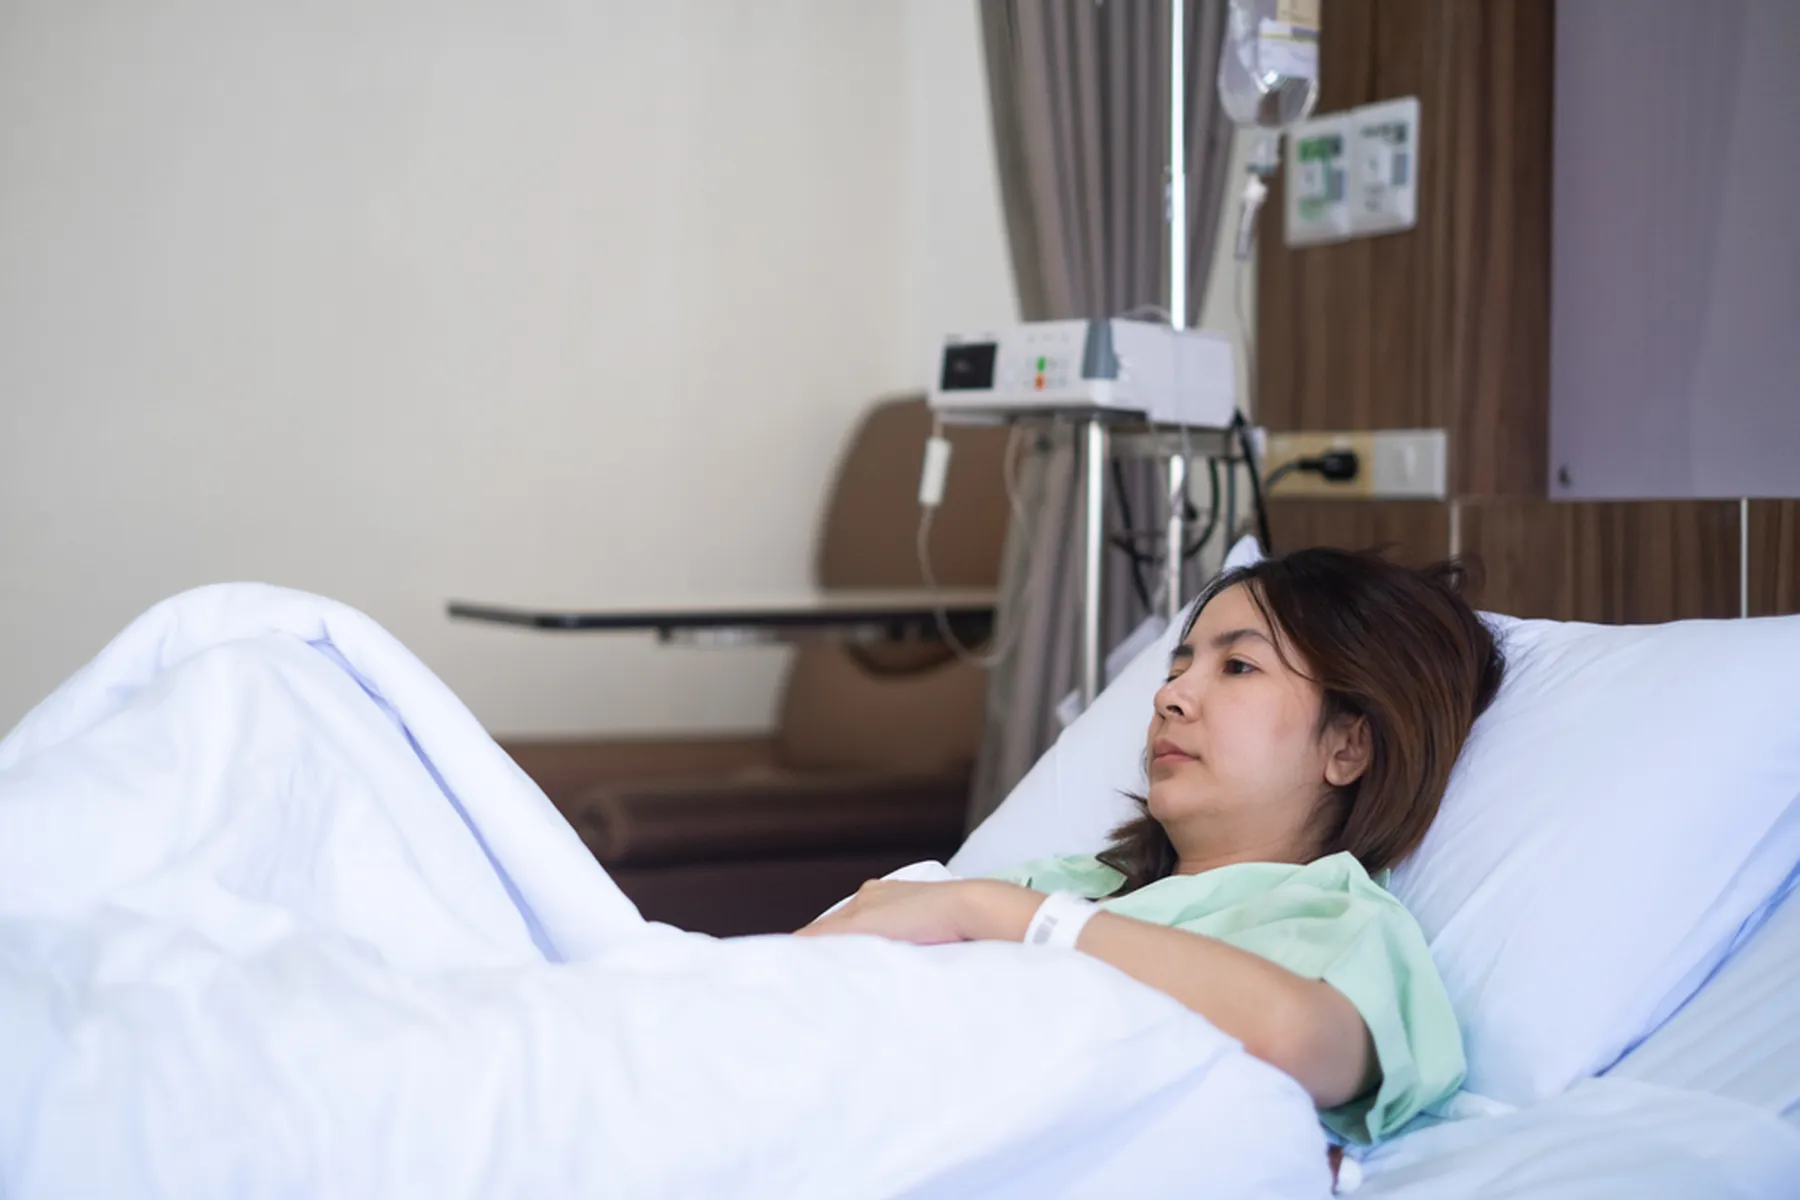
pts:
pixel 1233 608
pixel 1235 618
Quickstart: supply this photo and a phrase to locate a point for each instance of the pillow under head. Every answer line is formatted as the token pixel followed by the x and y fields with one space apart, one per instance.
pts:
pixel 1629 804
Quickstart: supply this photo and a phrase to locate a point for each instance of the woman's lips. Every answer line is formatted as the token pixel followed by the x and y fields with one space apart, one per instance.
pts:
pixel 1165 751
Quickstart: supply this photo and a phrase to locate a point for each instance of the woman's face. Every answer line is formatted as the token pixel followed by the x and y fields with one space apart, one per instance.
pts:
pixel 1237 762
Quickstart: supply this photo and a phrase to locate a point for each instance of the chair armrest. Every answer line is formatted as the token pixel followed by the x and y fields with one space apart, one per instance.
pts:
pixel 659 822
pixel 566 768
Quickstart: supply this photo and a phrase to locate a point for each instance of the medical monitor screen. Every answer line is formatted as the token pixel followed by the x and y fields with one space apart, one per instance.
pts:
pixel 969 367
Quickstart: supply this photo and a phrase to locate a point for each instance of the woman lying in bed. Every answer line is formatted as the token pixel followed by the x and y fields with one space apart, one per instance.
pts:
pixel 1298 749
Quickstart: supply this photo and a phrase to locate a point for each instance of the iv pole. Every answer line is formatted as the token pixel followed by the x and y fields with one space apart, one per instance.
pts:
pixel 1095 450
pixel 1178 301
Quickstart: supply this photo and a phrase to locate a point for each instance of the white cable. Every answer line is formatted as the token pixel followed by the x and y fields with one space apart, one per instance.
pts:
pixel 1009 475
pixel 1004 636
pixel 1255 192
pixel 1245 330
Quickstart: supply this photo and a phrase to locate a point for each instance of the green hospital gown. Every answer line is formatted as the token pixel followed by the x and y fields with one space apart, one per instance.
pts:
pixel 1324 920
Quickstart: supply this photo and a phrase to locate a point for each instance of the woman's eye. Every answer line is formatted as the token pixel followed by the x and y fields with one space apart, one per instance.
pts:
pixel 1237 666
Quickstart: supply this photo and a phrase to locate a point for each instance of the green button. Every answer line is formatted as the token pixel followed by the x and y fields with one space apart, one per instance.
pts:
pixel 1041 363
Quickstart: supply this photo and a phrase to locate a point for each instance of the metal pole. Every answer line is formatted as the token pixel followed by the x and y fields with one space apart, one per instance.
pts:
pixel 1744 557
pixel 1177 198
pixel 1093 539
pixel 1177 201
pixel 1177 536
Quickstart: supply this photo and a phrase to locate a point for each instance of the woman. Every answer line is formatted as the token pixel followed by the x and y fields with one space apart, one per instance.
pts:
pixel 1299 748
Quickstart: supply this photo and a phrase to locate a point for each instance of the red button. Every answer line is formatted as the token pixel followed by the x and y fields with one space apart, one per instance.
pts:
pixel 1040 383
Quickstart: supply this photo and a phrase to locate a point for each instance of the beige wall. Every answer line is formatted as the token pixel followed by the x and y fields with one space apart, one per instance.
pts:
pixel 959 272
pixel 399 300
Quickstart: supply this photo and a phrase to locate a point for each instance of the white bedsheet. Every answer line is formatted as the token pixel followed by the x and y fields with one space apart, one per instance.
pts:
pixel 1697 1110
pixel 1604 1137
pixel 1740 1036
pixel 278 919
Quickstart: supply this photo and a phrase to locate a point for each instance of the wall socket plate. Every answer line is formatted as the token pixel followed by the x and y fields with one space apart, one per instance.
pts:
pixel 1318 200
pixel 1353 174
pixel 1384 152
pixel 1396 464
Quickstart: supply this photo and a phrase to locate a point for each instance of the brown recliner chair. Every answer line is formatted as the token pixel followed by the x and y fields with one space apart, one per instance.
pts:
pixel 870 764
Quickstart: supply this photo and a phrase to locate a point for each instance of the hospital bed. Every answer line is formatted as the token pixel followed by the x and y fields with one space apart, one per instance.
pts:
pixel 1608 893
pixel 1708 1106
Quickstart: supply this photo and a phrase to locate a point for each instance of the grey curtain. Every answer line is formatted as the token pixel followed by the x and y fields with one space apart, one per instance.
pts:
pixel 1078 94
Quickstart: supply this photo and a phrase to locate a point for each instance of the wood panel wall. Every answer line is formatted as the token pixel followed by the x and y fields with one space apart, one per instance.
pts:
pixel 1621 562
pixel 1631 562
pixel 1774 557
pixel 1448 326
pixel 1414 532
pixel 1444 326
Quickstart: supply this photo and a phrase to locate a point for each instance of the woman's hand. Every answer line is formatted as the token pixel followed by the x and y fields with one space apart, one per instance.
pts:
pixel 930 914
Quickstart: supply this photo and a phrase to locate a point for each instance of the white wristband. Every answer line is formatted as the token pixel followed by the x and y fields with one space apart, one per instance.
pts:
pixel 1059 920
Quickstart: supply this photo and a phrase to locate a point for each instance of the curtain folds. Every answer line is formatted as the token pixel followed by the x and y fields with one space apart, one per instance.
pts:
pixel 1078 95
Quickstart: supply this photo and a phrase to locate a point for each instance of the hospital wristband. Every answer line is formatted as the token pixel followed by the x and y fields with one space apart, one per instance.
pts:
pixel 1059 921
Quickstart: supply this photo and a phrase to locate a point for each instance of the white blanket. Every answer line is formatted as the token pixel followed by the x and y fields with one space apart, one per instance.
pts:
pixel 278 919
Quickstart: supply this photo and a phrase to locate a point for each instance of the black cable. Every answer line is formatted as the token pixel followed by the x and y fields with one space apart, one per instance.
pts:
pixel 1127 543
pixel 1282 472
pixel 1333 466
pixel 1212 513
pixel 1256 492
pixel 1231 502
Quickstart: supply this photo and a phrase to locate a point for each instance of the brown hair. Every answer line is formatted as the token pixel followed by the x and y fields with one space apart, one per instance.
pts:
pixel 1399 648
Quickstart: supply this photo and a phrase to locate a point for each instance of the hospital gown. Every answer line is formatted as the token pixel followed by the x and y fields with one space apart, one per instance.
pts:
pixel 1325 920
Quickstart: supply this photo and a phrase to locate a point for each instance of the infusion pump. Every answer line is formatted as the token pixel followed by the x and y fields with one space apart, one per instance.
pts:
pixel 1131 368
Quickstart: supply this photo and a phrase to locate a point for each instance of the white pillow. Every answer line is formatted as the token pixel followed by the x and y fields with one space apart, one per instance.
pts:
pixel 1629 803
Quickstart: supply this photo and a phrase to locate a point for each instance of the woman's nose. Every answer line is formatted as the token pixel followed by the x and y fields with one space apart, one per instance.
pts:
pixel 1175 700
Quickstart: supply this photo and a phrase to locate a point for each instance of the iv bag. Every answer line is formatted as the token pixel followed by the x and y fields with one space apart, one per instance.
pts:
pixel 1269 66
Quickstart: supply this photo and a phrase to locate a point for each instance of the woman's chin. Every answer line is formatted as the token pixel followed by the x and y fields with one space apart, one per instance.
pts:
pixel 1162 800
pixel 1178 791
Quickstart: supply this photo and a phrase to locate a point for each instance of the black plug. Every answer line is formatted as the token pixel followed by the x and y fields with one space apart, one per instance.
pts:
pixel 1338 466
pixel 1334 466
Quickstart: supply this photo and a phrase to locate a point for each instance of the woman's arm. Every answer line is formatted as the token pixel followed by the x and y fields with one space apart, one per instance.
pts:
pixel 1303 1026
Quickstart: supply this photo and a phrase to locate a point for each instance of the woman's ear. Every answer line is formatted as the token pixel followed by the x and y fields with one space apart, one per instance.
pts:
pixel 1347 751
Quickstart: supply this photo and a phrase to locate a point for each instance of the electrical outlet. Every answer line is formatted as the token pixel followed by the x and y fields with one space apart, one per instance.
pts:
pixel 1410 462
pixel 1394 463
pixel 1384 167
pixel 1353 174
pixel 1318 202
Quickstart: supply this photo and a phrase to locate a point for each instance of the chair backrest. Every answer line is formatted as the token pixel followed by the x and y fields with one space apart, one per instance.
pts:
pixel 870 531
pixel 907 709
